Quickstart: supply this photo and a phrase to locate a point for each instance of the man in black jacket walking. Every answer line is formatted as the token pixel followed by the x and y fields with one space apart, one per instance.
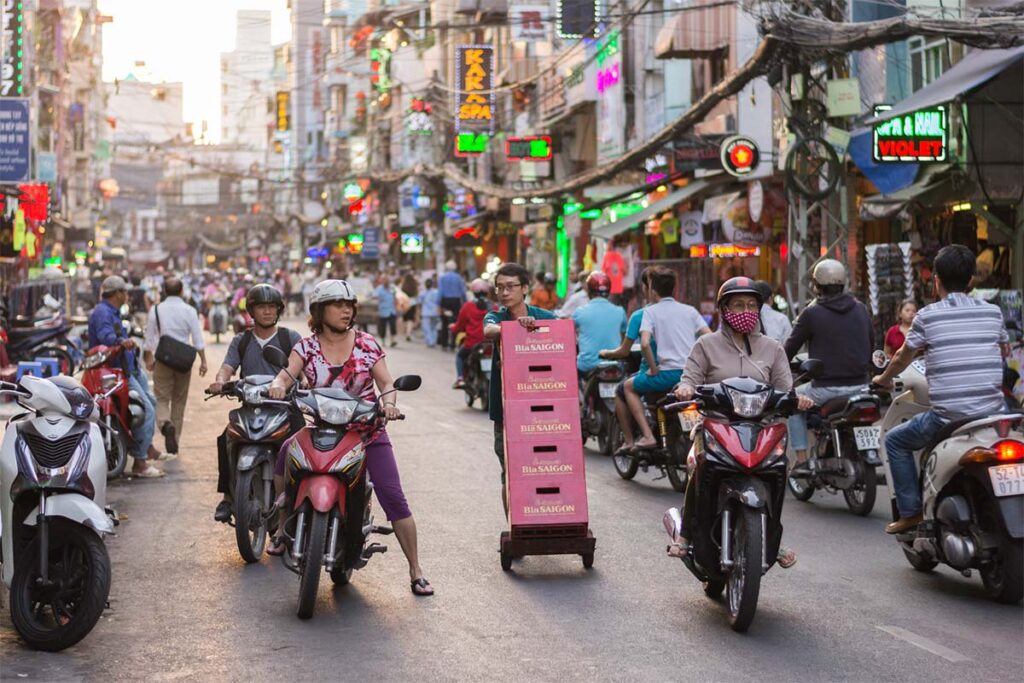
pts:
pixel 837 330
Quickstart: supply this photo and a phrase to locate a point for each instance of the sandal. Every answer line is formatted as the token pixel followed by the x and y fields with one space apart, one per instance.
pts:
pixel 786 557
pixel 421 588
pixel 276 547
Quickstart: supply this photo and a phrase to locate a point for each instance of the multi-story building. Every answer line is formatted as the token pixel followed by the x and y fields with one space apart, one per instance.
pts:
pixel 245 82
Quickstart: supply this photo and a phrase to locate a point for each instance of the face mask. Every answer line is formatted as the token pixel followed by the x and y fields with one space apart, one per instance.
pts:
pixel 744 323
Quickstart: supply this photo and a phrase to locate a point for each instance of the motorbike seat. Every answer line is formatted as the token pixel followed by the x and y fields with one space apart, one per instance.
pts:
pixel 946 431
pixel 833 405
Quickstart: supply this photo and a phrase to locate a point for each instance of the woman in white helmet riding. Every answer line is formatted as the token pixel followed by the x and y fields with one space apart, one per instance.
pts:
pixel 335 342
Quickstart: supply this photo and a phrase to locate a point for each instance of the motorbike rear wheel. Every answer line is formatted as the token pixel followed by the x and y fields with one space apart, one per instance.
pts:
pixel 312 563
pixel 250 524
pixel 861 498
pixel 116 445
pixel 56 617
pixel 1004 578
pixel 744 581
pixel 64 360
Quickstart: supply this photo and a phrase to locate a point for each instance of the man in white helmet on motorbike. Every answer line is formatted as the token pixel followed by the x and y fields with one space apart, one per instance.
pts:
pixel 837 330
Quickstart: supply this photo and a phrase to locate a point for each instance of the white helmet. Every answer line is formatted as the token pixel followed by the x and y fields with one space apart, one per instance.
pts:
pixel 331 290
pixel 829 272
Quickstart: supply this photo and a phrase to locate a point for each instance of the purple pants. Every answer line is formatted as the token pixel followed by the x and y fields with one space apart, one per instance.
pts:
pixel 383 471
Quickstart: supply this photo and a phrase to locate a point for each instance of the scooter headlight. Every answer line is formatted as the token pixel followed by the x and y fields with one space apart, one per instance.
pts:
pixel 748 405
pixel 336 412
pixel 251 394
pixel 95 360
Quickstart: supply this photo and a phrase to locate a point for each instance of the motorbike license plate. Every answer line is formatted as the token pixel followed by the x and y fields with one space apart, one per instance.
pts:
pixel 485 364
pixel 1007 480
pixel 688 419
pixel 607 389
pixel 867 438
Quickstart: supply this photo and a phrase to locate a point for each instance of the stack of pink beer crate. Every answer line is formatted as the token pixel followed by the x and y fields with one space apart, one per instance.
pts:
pixel 545 479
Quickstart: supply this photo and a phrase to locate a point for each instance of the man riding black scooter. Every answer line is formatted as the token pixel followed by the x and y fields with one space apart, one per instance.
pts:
pixel 265 304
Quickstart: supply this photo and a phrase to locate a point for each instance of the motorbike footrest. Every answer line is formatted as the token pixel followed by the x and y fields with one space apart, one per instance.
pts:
pixel 382 530
pixel 372 549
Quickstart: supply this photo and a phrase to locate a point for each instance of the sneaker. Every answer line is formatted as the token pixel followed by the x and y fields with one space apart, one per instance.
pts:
pixel 170 437
pixel 223 513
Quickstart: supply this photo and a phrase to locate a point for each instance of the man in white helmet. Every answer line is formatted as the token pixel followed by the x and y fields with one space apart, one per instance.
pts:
pixel 837 331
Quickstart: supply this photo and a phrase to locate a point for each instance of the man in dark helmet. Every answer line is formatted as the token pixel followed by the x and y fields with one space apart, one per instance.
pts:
pixel 265 304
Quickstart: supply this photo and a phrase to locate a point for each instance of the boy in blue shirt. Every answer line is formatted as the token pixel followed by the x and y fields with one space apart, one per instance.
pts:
pixel 599 324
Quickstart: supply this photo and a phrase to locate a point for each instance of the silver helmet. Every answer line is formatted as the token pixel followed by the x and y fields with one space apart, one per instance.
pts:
pixel 829 272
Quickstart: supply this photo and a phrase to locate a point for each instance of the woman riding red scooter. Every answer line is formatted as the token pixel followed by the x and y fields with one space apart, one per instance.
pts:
pixel 337 355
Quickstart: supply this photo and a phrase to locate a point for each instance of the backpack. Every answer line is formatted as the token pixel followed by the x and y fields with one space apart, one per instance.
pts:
pixel 284 342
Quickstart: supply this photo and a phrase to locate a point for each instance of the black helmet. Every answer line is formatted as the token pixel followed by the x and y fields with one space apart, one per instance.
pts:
pixel 264 294
pixel 739 285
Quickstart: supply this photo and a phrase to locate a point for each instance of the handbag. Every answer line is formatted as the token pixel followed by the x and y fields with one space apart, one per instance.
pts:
pixel 175 354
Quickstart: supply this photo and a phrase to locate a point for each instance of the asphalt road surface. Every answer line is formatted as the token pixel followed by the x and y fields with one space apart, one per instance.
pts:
pixel 184 606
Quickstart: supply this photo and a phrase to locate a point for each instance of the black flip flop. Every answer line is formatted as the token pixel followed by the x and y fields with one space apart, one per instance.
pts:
pixel 422 584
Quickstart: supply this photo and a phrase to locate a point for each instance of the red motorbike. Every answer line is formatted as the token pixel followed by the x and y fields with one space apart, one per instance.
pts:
pixel 121 410
pixel 327 488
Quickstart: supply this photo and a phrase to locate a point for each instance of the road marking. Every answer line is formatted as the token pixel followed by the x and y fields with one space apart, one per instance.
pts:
pixel 924 643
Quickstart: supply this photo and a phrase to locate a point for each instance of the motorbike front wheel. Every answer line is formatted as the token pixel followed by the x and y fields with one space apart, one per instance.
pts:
pixel 626 465
pixel 250 524
pixel 312 563
pixel 58 615
pixel 116 445
pixel 801 489
pixel 861 497
pixel 675 468
pixel 744 582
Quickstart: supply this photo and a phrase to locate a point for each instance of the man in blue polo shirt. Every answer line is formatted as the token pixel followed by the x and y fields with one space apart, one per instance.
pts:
pixel 599 324
pixel 963 340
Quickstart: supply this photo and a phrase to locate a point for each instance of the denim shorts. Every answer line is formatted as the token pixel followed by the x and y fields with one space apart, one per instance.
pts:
pixel 662 382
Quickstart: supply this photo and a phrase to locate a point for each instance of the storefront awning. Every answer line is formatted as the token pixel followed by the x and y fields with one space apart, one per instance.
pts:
pixel 696 32
pixel 453 226
pixel 934 181
pixel 977 68
pixel 610 230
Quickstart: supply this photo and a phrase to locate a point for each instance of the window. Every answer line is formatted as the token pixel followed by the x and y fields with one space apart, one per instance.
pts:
pixel 928 59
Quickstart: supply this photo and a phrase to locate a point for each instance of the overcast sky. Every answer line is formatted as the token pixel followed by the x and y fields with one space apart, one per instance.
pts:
pixel 181 41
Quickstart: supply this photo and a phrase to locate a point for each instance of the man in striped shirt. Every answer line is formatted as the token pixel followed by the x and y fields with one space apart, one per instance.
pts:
pixel 963 341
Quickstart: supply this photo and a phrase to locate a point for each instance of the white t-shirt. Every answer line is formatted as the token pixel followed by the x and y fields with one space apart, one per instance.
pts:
pixel 674 327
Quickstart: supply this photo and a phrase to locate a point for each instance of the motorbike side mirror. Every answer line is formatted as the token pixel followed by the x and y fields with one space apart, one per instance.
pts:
pixel 275 356
pixel 408 383
pixel 812 367
pixel 880 359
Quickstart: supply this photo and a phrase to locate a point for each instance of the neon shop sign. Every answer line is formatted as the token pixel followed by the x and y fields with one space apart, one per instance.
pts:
pixel 608 70
pixel 920 136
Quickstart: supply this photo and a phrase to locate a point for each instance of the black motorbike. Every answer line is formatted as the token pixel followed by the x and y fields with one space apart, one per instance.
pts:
pixel 845 452
pixel 597 405
pixel 255 433
pixel 733 507
pixel 672 435
pixel 476 381
pixel 42 335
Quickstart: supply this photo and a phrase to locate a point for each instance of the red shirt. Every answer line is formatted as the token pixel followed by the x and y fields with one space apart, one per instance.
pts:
pixel 615 267
pixel 471 321
pixel 894 338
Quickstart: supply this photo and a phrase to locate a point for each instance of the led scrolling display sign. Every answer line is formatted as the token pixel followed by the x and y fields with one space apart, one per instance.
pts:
pixel 920 136
pixel 12 25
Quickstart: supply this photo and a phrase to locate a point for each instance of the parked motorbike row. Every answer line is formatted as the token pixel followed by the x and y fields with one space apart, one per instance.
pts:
pixel 48 333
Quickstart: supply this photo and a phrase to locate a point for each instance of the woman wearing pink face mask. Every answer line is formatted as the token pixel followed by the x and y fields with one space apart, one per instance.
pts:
pixel 739 349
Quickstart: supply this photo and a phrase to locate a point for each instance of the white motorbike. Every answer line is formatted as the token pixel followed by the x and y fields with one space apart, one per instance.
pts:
pixel 219 317
pixel 53 483
pixel 972 486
